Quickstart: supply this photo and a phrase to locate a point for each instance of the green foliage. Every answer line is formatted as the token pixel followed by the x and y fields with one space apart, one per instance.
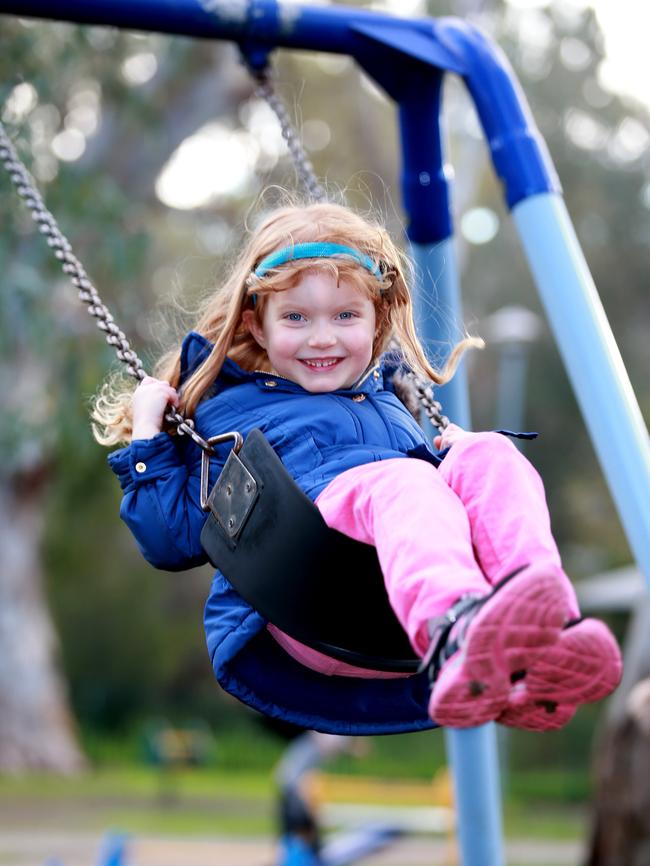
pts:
pixel 132 638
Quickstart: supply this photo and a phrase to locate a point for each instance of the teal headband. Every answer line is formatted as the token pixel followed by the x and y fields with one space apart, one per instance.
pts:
pixel 314 251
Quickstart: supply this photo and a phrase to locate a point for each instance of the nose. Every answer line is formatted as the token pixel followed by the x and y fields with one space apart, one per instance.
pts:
pixel 321 335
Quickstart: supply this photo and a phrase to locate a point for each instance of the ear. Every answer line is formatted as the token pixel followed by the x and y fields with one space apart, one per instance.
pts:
pixel 251 322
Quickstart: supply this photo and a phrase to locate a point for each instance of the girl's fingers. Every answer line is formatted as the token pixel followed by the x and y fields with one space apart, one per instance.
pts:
pixel 149 383
pixel 452 433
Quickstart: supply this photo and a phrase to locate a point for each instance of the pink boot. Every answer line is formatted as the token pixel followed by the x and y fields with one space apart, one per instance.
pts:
pixel 484 645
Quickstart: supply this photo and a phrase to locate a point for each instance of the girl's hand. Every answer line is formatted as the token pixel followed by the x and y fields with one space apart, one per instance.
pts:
pixel 453 433
pixel 149 402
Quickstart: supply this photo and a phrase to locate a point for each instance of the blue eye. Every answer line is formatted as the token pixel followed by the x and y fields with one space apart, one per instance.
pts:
pixel 294 317
pixel 346 315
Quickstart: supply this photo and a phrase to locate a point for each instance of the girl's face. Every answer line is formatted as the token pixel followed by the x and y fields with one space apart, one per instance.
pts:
pixel 319 333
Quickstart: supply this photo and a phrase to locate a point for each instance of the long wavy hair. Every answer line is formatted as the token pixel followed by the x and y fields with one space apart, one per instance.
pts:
pixel 220 318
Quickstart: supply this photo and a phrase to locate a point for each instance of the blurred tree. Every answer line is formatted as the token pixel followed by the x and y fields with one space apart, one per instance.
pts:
pixel 85 127
pixel 620 830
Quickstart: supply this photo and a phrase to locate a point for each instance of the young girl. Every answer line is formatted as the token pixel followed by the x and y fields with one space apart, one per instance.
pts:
pixel 292 344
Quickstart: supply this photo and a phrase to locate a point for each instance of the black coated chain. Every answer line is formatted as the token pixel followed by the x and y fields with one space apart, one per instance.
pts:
pixel 424 391
pixel 73 268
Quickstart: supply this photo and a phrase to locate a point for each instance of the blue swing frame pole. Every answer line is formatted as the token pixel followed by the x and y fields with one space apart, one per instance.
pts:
pixel 592 360
pixel 409 59
pixel 472 752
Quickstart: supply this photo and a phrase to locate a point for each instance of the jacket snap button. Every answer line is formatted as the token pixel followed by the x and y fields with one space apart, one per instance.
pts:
pixel 376 374
pixel 359 398
pixel 140 467
pixel 271 384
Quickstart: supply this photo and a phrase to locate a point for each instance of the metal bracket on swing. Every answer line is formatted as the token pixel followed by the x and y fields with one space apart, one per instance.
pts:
pixel 235 491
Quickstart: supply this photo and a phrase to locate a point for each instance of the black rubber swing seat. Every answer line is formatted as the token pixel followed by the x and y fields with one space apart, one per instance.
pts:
pixel 312 582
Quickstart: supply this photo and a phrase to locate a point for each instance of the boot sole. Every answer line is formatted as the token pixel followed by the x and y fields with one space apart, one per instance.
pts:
pixel 505 639
pixel 584 666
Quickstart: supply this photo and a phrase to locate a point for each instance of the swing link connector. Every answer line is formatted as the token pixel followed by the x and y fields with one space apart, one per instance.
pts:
pixel 238 441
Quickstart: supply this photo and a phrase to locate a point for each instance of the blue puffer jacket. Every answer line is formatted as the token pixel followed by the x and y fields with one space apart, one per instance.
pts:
pixel 317 436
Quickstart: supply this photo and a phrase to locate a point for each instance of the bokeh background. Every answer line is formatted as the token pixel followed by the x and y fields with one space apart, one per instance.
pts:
pixel 154 154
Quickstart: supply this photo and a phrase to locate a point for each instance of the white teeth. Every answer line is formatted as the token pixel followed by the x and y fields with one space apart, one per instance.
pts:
pixel 320 363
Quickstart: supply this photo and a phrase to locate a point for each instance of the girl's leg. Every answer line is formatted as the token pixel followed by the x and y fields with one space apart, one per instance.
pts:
pixel 423 540
pixel 505 502
pixel 426 538
pixel 506 505
pixel 420 530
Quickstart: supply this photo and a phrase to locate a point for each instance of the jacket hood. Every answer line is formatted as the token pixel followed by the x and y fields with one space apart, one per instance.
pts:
pixel 196 348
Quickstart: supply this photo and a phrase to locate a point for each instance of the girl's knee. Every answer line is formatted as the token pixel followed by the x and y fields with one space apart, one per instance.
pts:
pixel 480 449
pixel 485 442
pixel 500 442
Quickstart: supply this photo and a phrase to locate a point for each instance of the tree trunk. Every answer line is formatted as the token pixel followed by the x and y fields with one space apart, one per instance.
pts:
pixel 621 828
pixel 621 821
pixel 37 731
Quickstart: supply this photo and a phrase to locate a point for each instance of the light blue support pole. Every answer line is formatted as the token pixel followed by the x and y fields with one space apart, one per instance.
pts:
pixel 472 752
pixel 592 360
pixel 473 757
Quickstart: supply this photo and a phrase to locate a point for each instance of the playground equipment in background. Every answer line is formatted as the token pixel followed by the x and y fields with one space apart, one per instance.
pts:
pixel 371 812
pixel 367 815
pixel 120 849
pixel 342 850
pixel 349 802
pixel 416 807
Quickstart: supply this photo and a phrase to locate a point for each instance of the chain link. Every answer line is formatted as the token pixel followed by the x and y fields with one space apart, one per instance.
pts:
pixel 431 406
pixel 73 268
pixel 424 390
pixel 304 168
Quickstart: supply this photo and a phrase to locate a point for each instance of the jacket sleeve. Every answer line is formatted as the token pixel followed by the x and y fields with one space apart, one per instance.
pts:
pixel 160 480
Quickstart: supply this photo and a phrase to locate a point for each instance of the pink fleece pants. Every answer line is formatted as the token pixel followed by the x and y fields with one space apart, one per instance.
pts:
pixel 441 533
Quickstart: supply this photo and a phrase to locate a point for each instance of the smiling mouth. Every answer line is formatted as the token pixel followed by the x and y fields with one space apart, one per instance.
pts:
pixel 320 363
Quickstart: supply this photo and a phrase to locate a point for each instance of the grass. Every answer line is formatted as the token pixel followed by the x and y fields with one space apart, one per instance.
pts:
pixel 206 801
pixel 233 793
pixel 544 821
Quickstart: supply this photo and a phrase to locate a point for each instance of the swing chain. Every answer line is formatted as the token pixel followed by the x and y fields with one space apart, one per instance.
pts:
pixel 73 268
pixel 431 406
pixel 301 161
pixel 424 391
